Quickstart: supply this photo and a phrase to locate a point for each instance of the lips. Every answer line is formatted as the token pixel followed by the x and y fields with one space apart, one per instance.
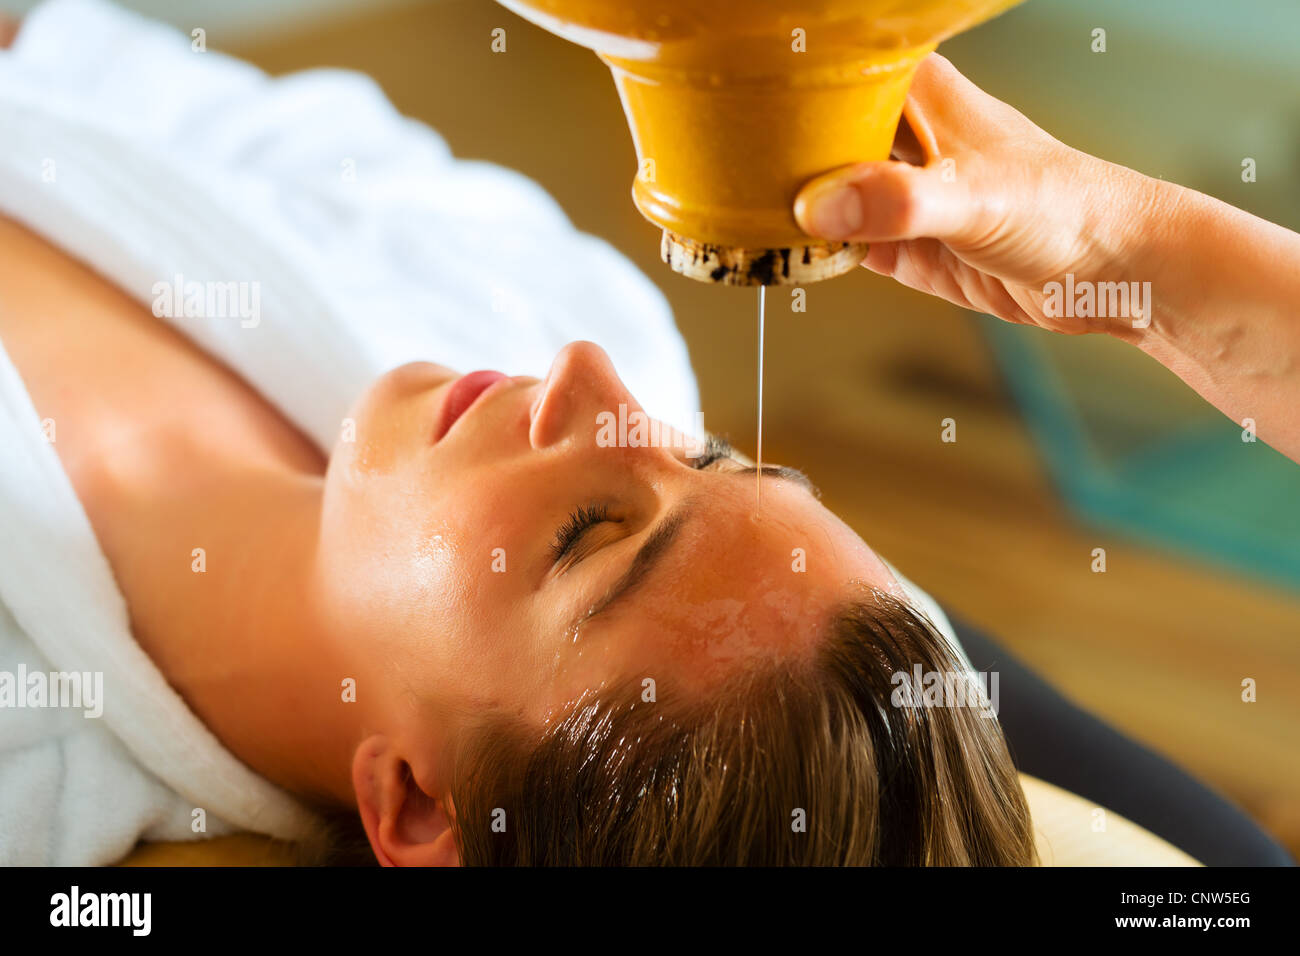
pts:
pixel 462 394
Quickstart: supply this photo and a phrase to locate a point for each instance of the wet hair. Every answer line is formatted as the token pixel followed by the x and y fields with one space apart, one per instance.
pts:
pixel 812 763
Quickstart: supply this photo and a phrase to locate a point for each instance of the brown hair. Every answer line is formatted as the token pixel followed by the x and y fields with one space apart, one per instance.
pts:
pixel 729 779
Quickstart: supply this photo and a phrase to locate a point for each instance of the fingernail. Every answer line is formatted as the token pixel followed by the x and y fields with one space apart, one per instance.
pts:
pixel 833 210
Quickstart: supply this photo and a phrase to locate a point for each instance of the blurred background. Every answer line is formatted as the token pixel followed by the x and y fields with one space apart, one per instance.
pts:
pixel 1064 445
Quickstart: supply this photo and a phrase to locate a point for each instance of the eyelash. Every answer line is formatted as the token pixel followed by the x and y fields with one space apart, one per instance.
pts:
pixel 587 517
pixel 578 523
pixel 715 449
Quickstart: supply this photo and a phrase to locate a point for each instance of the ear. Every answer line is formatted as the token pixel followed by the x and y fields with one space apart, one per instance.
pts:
pixel 405 825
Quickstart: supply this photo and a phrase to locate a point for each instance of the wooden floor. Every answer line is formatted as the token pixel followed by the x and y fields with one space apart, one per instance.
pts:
pixel 855 392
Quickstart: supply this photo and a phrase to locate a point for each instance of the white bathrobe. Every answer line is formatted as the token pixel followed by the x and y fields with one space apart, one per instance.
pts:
pixel 365 245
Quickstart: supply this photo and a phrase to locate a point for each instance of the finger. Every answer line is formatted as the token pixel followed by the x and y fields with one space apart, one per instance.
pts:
pixel 885 202
pixel 929 267
pixel 916 141
pixel 938 84
pixel 907 145
pixel 926 144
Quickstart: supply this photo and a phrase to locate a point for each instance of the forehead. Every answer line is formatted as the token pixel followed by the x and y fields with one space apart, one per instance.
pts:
pixel 738 587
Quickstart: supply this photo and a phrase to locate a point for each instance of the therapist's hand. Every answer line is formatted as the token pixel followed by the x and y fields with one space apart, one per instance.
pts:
pixel 983 208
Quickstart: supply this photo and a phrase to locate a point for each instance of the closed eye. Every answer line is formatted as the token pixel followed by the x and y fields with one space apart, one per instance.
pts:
pixel 586 517
pixel 582 520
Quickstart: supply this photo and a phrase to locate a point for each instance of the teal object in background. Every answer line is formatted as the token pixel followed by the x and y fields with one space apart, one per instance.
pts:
pixel 1133 455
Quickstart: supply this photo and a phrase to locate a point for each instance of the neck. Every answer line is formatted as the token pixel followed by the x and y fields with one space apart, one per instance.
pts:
pixel 232 626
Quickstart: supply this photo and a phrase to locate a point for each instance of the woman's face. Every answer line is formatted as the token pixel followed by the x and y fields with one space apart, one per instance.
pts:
pixel 514 560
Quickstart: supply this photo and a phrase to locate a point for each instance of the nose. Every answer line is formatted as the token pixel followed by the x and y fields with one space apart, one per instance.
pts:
pixel 580 387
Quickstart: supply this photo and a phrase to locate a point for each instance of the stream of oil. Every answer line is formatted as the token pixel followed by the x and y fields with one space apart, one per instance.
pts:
pixel 758 474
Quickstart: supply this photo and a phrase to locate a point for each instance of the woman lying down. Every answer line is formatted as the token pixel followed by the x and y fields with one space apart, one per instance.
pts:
pixel 322 581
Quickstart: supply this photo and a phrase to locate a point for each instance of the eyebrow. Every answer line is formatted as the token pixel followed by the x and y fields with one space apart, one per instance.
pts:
pixel 661 540
pixel 720 448
pixel 782 472
pixel 647 556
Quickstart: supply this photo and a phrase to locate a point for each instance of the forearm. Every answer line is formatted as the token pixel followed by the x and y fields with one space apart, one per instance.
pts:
pixel 1225 293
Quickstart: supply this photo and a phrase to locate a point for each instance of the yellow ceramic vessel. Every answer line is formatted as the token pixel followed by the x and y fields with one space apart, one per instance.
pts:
pixel 734 104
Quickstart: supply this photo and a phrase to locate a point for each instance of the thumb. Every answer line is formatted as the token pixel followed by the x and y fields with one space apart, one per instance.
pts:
pixel 884 202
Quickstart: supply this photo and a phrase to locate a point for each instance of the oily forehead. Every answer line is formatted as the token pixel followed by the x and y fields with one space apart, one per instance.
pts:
pixel 736 590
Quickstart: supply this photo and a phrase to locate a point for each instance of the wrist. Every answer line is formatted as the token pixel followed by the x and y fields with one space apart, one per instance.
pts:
pixel 1139 242
pixel 1113 230
pixel 1224 284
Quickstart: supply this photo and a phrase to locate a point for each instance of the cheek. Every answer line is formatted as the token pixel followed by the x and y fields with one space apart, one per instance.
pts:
pixel 426 556
pixel 490 650
pixel 439 562
pixel 386 552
